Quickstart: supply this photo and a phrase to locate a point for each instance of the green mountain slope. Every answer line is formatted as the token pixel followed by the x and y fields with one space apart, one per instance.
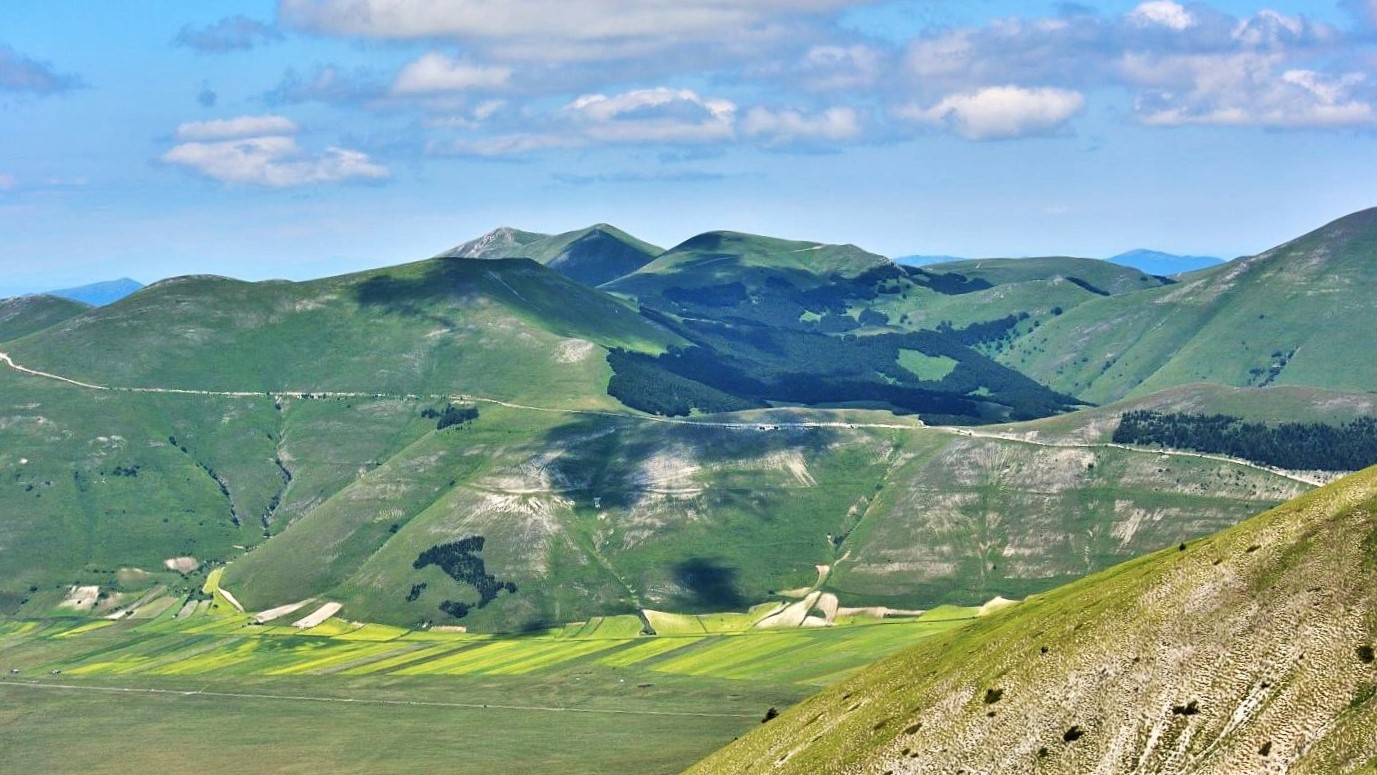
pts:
pixel 325 472
pixel 506 328
pixel 1251 651
pixel 719 257
pixel 1294 315
pixel 24 315
pixel 1099 277
pixel 608 515
pixel 585 514
pixel 1271 405
pixel 778 321
pixel 592 256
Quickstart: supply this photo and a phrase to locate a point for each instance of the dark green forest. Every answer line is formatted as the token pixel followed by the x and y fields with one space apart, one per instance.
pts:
pixel 1299 446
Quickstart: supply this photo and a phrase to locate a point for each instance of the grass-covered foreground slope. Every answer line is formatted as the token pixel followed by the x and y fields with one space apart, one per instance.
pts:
pixel 1250 651
pixel 1294 315
pixel 592 256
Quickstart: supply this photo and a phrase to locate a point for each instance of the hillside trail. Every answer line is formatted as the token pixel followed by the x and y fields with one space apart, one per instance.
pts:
pixel 1295 476
pixel 762 426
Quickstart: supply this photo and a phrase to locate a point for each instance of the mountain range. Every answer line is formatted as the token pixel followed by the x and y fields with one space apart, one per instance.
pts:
pixel 1153 262
pixel 586 424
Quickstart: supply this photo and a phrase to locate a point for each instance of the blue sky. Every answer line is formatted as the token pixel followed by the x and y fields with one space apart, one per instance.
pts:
pixel 299 138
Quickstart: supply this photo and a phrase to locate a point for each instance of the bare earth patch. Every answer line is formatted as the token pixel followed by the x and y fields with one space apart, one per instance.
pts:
pixel 279 612
pixel 181 564
pixel 80 598
pixel 317 617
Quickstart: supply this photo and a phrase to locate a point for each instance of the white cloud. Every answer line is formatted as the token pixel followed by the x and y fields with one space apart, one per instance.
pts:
pixel 838 68
pixel 1001 112
pixel 1250 90
pixel 1269 29
pixel 555 20
pixel 1162 13
pixel 654 115
pixel 241 126
pixel 435 73
pixel 504 145
pixel 835 124
pixel 260 151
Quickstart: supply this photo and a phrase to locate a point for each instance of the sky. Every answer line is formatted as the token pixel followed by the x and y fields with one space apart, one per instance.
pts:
pixel 302 138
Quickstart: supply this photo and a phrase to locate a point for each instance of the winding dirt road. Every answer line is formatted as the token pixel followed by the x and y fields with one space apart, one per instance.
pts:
pixel 762 426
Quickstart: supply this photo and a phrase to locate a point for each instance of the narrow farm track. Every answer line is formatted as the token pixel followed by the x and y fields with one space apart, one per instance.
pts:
pixel 762 426
pixel 357 701
pixel 1292 475
pixel 453 397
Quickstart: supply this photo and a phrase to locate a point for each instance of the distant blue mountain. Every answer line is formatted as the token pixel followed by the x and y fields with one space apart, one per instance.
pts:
pixel 1165 264
pixel 100 294
pixel 926 260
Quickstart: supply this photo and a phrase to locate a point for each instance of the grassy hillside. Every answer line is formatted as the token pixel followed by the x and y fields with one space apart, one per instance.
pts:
pixel 584 514
pixel 554 503
pixel 1094 275
pixel 602 516
pixel 1273 404
pixel 506 328
pixel 1248 651
pixel 721 257
pixel 775 321
pixel 1291 316
pixel 23 315
pixel 592 256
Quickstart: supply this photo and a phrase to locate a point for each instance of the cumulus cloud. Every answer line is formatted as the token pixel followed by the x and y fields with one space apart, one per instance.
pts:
pixel 241 126
pixel 19 73
pixel 436 73
pixel 1180 64
pixel 504 145
pixel 232 33
pixel 827 68
pixel 588 20
pixel 654 115
pixel 1162 13
pixel 261 151
pixel 1253 90
pixel 659 116
pixel 1001 112
pixel 778 127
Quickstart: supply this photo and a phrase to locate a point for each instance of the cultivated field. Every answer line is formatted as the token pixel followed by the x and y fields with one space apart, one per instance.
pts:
pixel 209 689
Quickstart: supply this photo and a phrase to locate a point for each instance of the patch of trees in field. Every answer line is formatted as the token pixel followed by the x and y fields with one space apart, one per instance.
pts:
pixel 988 332
pixel 1298 446
pixel 450 416
pixel 639 381
pixel 460 561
